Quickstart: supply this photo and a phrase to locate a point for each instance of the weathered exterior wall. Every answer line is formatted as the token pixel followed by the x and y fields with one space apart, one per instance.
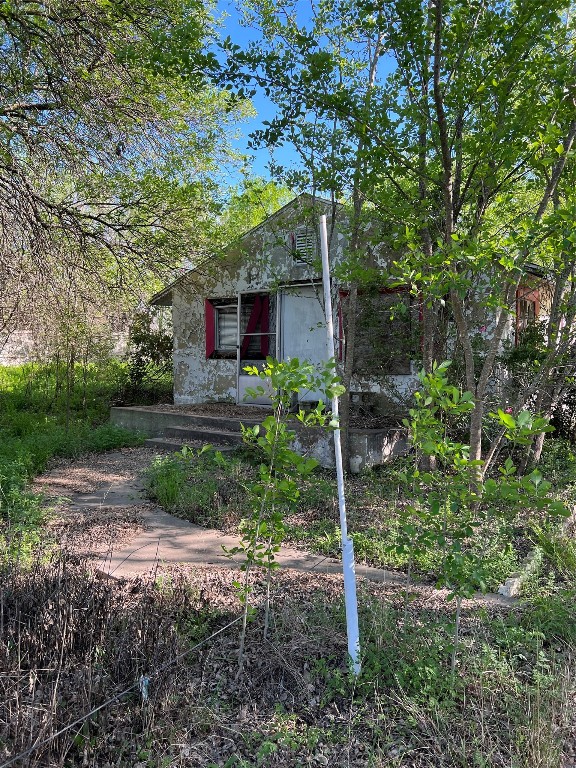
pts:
pixel 368 447
pixel 262 261
pixel 196 379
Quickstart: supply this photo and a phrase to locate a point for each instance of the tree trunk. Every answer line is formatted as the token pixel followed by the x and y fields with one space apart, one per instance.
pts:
pixel 348 371
pixel 352 304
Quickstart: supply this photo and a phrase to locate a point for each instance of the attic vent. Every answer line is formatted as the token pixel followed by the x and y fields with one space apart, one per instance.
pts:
pixel 303 242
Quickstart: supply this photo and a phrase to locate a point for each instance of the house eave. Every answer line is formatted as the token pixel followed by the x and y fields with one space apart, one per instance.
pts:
pixel 164 297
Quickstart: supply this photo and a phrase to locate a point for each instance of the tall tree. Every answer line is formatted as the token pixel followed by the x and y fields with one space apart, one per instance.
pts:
pixel 331 159
pixel 248 204
pixel 110 142
pixel 464 141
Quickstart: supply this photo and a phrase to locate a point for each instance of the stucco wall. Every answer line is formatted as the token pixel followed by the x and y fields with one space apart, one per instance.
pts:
pixel 262 261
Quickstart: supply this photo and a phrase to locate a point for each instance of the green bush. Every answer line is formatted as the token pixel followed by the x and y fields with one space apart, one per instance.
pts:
pixel 558 461
pixel 210 491
pixel 166 480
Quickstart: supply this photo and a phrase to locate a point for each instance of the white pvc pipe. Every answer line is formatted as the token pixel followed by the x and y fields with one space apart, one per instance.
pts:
pixel 350 599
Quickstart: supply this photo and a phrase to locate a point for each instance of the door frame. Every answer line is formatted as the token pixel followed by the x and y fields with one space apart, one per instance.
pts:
pixel 271 332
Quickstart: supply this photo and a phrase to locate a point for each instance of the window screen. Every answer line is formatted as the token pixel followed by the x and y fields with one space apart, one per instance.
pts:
pixel 384 334
pixel 526 313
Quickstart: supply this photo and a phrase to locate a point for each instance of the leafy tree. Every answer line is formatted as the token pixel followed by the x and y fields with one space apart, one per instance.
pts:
pixel 331 159
pixel 446 508
pixel 250 203
pixel 110 144
pixel 277 488
pixel 463 142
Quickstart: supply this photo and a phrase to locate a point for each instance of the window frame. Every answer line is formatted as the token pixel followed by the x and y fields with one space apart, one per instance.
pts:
pixel 220 311
pixel 213 308
pixel 252 328
pixel 401 290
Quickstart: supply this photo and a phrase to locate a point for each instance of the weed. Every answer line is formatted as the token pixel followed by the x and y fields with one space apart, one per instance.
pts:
pixel 297 705
pixel 200 486
pixel 553 616
pixel 37 425
pixel 559 550
pixel 558 461
pixel 209 491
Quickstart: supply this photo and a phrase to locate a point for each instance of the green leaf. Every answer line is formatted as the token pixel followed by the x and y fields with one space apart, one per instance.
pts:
pixel 535 478
pixel 506 419
pixel 524 419
pixel 558 508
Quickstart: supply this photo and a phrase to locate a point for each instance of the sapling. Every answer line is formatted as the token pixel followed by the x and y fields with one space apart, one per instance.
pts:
pixel 281 470
pixel 449 504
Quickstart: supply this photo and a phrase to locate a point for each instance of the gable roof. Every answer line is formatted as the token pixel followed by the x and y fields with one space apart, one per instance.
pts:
pixel 164 297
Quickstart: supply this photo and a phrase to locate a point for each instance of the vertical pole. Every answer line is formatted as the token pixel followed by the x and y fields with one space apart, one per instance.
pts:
pixel 350 599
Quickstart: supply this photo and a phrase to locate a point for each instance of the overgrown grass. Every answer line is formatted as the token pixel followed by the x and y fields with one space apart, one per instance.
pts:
pixel 296 704
pixel 210 489
pixel 40 420
pixel 205 487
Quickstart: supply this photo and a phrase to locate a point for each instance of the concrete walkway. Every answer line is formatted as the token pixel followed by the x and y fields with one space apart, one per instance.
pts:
pixel 112 483
pixel 169 539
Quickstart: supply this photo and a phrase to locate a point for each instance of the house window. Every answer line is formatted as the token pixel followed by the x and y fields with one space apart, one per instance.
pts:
pixel 303 245
pixel 527 309
pixel 222 327
pixel 225 327
pixel 526 313
pixel 386 322
pixel 254 326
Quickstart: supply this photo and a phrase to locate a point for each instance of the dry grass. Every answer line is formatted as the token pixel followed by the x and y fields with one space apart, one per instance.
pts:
pixel 69 641
pixel 103 530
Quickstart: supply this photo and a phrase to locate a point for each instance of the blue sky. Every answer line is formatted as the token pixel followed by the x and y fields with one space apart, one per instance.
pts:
pixel 229 18
pixel 242 35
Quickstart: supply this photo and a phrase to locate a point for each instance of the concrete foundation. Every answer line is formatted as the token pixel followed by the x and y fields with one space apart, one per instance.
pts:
pixel 368 447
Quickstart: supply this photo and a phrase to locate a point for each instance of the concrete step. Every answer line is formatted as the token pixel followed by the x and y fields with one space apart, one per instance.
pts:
pixel 154 423
pixel 212 436
pixel 174 444
pixel 210 423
